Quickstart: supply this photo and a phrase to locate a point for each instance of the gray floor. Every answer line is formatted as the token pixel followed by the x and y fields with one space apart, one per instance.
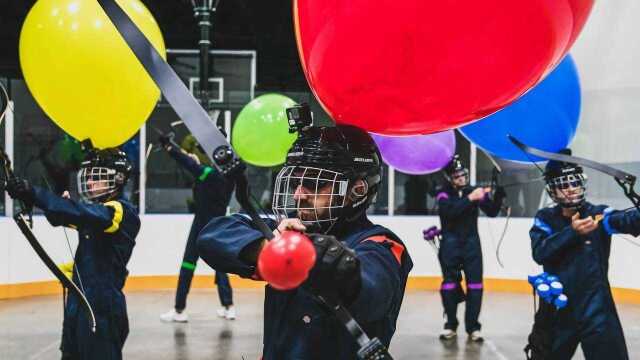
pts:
pixel 30 328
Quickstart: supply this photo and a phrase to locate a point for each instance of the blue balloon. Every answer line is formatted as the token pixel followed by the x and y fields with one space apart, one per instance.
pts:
pixel 546 118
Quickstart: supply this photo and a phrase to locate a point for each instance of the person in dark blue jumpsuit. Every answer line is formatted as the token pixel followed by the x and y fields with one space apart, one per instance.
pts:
pixel 330 178
pixel 211 195
pixel 572 240
pixel 107 225
pixel 460 248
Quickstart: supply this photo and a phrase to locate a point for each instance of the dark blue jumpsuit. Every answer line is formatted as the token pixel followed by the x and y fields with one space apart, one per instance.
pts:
pixel 582 264
pixel 107 235
pixel 211 195
pixel 460 250
pixel 295 325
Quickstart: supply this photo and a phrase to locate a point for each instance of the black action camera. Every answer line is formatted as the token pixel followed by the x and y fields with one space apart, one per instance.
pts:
pixel 299 117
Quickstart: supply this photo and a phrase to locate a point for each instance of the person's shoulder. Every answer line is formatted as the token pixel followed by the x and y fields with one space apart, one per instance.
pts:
pixel 443 189
pixel 126 205
pixel 382 239
pixel 546 212
pixel 124 211
pixel 379 232
pixel 125 216
pixel 599 208
pixel 545 219
pixel 244 218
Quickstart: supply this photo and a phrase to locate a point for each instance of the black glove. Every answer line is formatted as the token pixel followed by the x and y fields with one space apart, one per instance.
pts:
pixel 336 273
pixel 500 193
pixel 20 189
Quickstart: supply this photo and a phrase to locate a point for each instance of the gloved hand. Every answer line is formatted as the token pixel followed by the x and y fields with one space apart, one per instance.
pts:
pixel 67 269
pixel 430 233
pixel 500 193
pixel 478 194
pixel 20 189
pixel 166 140
pixel 336 272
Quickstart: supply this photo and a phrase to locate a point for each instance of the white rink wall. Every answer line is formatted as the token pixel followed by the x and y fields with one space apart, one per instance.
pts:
pixel 161 242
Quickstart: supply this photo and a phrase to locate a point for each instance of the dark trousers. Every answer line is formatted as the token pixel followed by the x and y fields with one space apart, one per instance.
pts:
pixel 189 261
pixel 80 343
pixel 600 334
pixel 455 257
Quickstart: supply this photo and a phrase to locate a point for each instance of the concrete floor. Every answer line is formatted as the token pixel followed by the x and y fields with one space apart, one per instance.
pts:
pixel 30 328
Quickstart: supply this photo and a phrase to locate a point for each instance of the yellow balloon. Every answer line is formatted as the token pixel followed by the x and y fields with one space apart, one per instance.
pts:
pixel 82 73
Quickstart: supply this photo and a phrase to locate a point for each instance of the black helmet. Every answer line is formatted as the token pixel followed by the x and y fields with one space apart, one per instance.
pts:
pixel 455 168
pixel 562 176
pixel 322 156
pixel 103 174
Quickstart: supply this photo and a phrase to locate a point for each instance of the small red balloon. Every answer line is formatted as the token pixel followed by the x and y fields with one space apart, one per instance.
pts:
pixel 407 67
pixel 285 261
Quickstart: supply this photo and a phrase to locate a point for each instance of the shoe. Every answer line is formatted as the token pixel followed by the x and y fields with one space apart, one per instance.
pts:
pixel 476 336
pixel 447 334
pixel 231 313
pixel 227 313
pixel 222 312
pixel 174 316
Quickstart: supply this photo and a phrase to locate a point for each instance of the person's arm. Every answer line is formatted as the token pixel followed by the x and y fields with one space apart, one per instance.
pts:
pixel 625 222
pixel 231 244
pixel 546 245
pixel 450 207
pixel 61 211
pixel 492 207
pixel 198 171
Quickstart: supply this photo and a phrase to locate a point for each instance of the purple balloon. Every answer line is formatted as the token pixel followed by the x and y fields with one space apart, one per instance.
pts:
pixel 417 155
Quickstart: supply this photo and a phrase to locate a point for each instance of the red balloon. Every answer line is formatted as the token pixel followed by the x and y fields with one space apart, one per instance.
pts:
pixel 406 67
pixel 285 261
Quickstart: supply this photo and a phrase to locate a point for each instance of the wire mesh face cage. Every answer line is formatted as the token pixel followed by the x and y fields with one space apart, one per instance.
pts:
pixel 315 196
pixel 573 188
pixel 96 183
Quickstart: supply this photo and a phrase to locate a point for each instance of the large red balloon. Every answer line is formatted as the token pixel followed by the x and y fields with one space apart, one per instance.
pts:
pixel 285 261
pixel 405 67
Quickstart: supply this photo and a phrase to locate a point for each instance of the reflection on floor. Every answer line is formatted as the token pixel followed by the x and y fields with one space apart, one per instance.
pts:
pixel 30 328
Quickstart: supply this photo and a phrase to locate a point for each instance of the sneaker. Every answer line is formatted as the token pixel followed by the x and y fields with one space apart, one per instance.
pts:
pixel 447 334
pixel 222 312
pixel 476 336
pixel 231 313
pixel 174 316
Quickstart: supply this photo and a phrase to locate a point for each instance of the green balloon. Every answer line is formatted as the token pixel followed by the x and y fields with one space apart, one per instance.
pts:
pixel 260 135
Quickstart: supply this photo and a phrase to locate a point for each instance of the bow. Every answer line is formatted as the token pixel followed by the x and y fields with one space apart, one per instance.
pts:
pixel 21 219
pixel 496 172
pixel 625 180
pixel 216 146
